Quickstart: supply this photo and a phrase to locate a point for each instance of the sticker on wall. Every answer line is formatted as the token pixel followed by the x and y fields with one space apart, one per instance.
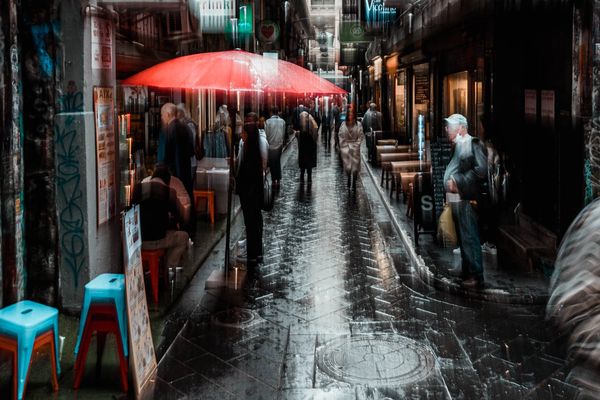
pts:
pixel 102 43
pixel 268 32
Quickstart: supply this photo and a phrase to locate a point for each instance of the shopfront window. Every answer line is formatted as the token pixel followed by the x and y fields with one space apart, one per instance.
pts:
pixel 456 94
pixel 464 96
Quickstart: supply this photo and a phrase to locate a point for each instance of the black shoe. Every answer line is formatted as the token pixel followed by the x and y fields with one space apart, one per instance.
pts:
pixel 473 283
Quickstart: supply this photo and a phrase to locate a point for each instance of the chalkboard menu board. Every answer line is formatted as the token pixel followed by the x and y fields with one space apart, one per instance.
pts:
pixel 441 153
pixel 421 87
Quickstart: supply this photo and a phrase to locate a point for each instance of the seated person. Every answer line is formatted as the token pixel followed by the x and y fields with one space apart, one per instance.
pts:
pixel 157 202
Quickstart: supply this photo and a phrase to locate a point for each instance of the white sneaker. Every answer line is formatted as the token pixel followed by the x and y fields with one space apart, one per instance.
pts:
pixel 456 250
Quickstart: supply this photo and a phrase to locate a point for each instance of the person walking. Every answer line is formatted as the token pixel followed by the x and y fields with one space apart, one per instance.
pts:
pixel 307 145
pixel 184 117
pixel 326 124
pixel 179 147
pixel 371 122
pixel 351 136
pixel 275 131
pixel 336 115
pixel 252 162
pixel 464 180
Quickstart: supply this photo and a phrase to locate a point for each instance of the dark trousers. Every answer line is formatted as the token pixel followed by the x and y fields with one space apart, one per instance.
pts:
pixel 326 134
pixel 254 224
pixel 275 164
pixel 309 174
pixel 467 229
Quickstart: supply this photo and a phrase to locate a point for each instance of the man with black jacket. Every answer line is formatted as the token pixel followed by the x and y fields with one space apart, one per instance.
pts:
pixel 179 147
pixel 465 177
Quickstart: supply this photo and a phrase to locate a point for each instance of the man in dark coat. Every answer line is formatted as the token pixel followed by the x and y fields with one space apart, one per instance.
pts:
pixel 464 179
pixel 307 145
pixel 337 122
pixel 296 116
pixel 372 121
pixel 179 147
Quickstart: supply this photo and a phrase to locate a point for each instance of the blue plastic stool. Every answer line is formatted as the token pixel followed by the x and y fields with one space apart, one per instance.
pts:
pixel 24 321
pixel 105 288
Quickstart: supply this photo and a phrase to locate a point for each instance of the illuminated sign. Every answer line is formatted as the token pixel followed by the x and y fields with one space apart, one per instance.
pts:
pixel 213 14
pixel 246 22
pixel 376 15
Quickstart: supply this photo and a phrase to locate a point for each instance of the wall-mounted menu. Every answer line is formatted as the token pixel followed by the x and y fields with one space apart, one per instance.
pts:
pixel 441 153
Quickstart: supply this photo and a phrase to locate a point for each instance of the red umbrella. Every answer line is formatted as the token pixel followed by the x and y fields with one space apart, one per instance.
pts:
pixel 233 70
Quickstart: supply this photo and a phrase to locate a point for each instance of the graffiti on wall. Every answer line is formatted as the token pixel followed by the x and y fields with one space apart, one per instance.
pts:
pixel 68 177
pixel 592 159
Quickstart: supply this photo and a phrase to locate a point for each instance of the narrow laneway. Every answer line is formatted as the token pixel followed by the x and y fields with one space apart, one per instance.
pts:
pixel 332 316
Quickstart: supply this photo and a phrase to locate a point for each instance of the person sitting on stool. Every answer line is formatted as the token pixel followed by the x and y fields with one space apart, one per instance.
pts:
pixel 158 202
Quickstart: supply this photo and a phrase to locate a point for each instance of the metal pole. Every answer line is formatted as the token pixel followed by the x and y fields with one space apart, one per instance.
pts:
pixel 230 192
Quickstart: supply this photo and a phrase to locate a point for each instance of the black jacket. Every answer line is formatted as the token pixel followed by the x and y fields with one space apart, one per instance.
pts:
pixel 471 177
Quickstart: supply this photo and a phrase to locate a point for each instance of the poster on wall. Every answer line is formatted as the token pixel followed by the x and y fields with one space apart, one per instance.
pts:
pixel 102 43
pixel 142 356
pixel 105 152
pixel 530 105
pixel 547 108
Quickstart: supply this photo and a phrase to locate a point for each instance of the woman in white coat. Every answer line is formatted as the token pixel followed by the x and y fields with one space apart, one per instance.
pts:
pixel 351 136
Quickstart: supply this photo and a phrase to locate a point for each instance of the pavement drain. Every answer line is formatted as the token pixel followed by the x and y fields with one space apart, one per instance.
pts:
pixel 235 318
pixel 375 360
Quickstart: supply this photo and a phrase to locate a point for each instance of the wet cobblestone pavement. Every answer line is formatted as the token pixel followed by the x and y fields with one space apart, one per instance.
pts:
pixel 337 313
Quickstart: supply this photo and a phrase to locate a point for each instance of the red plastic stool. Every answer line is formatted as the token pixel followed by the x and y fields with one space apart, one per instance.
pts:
pixel 10 344
pixel 209 195
pixel 102 319
pixel 151 258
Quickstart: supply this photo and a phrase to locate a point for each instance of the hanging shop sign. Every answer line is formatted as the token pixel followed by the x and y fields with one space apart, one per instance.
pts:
pixel 351 55
pixel 105 152
pixel 353 32
pixel 102 43
pixel 268 32
pixel 378 63
pixel 246 20
pixel 376 16
pixel 143 358
pixel 213 14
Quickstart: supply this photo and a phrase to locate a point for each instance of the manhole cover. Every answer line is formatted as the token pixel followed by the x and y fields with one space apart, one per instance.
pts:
pixel 388 359
pixel 235 317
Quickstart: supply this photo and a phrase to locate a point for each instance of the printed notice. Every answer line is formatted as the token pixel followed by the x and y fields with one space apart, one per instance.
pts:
pixel 105 152
pixel 102 43
pixel 143 358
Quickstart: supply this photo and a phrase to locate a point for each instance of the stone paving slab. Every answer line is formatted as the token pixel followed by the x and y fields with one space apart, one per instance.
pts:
pixel 336 312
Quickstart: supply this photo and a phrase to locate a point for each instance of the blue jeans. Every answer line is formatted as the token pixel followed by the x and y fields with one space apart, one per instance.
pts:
pixel 467 230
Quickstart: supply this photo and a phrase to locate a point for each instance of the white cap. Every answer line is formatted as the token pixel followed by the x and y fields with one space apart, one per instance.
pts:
pixel 457 119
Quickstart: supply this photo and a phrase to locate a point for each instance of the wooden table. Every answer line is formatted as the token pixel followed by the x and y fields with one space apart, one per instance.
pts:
pixel 379 150
pixel 388 158
pixel 403 172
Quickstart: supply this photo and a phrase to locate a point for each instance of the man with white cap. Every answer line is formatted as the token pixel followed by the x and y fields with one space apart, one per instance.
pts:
pixel 372 121
pixel 464 179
